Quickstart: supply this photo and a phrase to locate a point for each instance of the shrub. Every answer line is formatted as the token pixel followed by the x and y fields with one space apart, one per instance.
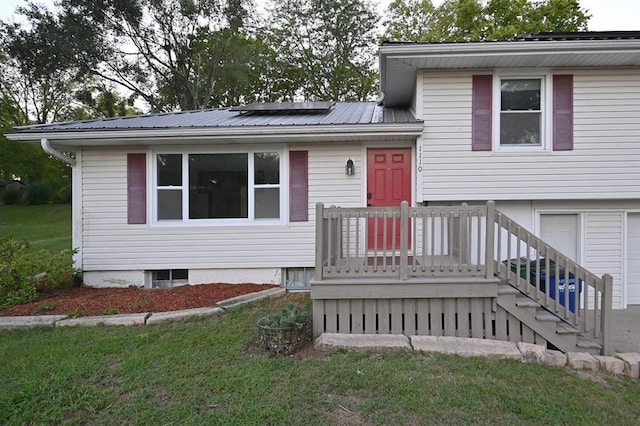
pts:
pixel 23 274
pixel 38 193
pixel 12 196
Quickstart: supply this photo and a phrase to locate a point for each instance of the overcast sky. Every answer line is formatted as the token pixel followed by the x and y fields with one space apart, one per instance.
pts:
pixel 607 15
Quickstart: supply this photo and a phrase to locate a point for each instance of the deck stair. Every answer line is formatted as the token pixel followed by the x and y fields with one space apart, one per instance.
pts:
pixel 543 322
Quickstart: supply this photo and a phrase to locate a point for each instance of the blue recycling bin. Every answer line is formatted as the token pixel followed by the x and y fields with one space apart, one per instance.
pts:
pixel 562 287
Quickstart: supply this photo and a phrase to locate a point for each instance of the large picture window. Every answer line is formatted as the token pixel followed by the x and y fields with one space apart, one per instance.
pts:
pixel 217 186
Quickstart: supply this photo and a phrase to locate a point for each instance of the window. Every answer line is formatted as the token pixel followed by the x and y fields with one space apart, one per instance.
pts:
pixel 513 111
pixel 521 112
pixel 195 187
pixel 164 278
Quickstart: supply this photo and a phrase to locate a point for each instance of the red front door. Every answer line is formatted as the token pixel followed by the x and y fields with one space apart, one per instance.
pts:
pixel 388 184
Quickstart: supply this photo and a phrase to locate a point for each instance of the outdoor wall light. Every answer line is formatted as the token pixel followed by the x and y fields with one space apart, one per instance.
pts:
pixel 349 169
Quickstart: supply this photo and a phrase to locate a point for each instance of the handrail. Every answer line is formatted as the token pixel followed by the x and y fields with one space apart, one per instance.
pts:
pixel 551 278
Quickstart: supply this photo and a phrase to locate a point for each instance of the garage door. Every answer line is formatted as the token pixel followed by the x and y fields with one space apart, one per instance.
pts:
pixel 561 232
pixel 633 259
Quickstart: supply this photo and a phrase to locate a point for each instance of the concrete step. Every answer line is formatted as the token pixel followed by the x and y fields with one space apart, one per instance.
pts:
pixel 586 343
pixel 546 316
pixel 526 302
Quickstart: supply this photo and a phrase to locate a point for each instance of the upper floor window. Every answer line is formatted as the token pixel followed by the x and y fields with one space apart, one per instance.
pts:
pixel 214 186
pixel 521 111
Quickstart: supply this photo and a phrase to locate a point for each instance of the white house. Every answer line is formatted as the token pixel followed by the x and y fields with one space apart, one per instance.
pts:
pixel 545 125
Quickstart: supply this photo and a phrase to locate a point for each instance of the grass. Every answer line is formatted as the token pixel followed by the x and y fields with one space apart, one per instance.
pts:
pixel 46 227
pixel 199 372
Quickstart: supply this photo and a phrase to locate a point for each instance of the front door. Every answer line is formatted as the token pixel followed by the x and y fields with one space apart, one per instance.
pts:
pixel 388 184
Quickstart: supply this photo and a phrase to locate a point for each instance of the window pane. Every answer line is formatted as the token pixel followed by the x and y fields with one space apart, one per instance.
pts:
pixel 169 204
pixel 267 203
pixel 218 186
pixel 520 128
pixel 267 167
pixel 520 95
pixel 169 169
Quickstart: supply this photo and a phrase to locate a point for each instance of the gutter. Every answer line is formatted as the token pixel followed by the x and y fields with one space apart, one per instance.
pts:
pixel 46 147
pixel 293 132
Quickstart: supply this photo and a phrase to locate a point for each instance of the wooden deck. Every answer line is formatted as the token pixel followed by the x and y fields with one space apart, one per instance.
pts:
pixel 453 271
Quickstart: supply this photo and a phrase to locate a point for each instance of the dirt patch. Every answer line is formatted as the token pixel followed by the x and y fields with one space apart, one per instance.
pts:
pixel 86 301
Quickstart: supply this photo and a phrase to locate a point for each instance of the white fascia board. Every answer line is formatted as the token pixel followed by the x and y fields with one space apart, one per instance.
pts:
pixel 507 48
pixel 266 134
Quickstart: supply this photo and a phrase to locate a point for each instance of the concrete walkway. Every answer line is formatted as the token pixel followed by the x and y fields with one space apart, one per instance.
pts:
pixel 626 329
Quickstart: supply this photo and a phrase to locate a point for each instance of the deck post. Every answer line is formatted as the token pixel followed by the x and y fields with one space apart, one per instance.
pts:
pixel 319 241
pixel 404 240
pixel 605 315
pixel 490 238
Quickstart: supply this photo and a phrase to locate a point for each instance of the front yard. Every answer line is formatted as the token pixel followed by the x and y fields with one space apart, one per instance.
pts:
pixel 207 371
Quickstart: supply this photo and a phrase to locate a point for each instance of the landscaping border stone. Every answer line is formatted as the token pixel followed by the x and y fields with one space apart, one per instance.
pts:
pixel 30 321
pixel 161 317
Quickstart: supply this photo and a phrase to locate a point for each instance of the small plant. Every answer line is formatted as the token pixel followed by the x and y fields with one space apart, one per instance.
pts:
pixel 44 307
pixel 76 313
pixel 111 311
pixel 284 332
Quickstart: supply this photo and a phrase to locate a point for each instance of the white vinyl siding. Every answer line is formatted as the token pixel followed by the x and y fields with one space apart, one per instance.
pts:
pixel 109 243
pixel 602 165
pixel 633 259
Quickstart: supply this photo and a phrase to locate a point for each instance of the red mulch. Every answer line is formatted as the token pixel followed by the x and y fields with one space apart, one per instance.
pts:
pixel 85 301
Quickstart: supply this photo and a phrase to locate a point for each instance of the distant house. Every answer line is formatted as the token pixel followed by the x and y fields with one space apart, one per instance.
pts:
pixel 546 125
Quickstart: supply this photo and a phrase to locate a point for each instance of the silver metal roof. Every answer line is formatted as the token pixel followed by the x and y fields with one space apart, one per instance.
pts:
pixel 342 113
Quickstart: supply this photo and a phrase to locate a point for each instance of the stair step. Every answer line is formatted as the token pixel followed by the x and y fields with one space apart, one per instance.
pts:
pixel 507 289
pixel 584 343
pixel 544 315
pixel 525 302
pixel 564 328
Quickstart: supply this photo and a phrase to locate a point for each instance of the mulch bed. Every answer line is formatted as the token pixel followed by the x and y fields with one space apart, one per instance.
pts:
pixel 86 301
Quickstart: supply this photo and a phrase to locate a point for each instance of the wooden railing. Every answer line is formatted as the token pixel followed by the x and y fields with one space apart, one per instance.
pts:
pixel 400 242
pixel 561 285
pixel 477 241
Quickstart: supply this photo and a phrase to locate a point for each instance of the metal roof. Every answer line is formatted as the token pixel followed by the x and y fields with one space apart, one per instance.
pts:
pixel 342 113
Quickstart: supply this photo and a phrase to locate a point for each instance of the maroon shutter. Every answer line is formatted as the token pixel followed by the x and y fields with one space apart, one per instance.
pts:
pixel 481 118
pixel 298 186
pixel 563 112
pixel 137 188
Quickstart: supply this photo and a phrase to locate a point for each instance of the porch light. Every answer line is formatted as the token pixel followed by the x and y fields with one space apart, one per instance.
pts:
pixel 349 169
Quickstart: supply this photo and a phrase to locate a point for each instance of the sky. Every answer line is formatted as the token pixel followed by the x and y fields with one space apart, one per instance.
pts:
pixel 607 15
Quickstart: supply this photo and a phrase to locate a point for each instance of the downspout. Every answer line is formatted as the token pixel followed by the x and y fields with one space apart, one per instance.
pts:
pixel 46 147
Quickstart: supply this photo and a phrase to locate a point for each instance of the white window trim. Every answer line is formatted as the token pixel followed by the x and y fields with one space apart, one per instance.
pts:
pixel 248 149
pixel 546 104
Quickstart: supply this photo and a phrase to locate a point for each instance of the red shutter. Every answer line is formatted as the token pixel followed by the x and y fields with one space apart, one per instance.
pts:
pixel 137 188
pixel 481 118
pixel 563 112
pixel 298 186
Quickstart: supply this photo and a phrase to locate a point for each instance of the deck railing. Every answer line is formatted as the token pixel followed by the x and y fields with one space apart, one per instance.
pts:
pixel 480 241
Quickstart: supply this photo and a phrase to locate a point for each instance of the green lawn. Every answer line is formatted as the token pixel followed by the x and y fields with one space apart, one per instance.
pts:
pixel 198 372
pixel 46 227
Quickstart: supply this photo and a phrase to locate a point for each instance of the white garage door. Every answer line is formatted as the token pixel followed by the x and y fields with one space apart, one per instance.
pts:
pixel 633 259
pixel 561 232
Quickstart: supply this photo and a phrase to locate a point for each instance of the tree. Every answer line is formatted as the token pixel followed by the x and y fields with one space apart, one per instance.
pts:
pixel 186 54
pixel 325 48
pixel 471 20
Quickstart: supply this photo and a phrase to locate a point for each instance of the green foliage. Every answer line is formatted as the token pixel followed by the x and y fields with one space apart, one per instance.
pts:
pixel 465 20
pixel 325 49
pixel 12 196
pixel 23 273
pixel 38 193
pixel 290 316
